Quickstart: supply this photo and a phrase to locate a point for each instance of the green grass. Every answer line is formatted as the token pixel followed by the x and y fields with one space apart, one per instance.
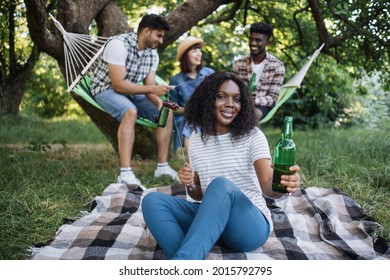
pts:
pixel 29 129
pixel 40 185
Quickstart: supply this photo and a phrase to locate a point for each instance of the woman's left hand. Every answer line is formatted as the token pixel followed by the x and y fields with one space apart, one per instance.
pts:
pixel 292 182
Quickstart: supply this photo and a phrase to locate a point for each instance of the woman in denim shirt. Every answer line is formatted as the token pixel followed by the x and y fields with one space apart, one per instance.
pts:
pixel 192 73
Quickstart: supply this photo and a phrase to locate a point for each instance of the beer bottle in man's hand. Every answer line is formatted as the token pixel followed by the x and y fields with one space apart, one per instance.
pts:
pixel 252 84
pixel 163 116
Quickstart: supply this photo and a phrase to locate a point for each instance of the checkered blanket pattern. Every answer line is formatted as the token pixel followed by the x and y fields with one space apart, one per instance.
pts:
pixel 314 223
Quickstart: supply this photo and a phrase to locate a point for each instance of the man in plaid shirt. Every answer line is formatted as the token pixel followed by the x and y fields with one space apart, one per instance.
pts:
pixel 261 71
pixel 128 60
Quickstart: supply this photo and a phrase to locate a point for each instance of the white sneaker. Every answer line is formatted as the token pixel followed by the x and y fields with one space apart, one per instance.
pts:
pixel 166 170
pixel 129 178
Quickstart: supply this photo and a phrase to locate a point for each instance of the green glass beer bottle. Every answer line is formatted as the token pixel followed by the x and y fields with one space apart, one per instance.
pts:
pixel 163 115
pixel 162 118
pixel 252 84
pixel 284 155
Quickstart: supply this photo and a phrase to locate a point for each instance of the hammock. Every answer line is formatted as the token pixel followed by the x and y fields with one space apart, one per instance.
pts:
pixel 289 88
pixel 81 52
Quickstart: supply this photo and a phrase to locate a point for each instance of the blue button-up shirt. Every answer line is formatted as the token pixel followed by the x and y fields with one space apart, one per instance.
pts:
pixel 186 85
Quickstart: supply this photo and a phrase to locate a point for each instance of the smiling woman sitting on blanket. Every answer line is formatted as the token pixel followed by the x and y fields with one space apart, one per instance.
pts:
pixel 229 171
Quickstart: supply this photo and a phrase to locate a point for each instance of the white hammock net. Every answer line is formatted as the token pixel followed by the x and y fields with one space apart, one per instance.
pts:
pixel 81 52
pixel 298 77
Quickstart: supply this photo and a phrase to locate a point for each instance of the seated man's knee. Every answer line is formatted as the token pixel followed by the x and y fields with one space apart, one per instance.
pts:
pixel 131 113
pixel 129 118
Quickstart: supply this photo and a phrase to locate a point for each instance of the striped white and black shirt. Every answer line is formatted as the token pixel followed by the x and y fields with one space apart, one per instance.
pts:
pixel 220 157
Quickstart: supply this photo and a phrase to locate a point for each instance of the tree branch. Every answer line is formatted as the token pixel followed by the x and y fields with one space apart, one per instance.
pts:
pixel 47 41
pixel 11 37
pixel 319 20
pixel 355 28
pixel 107 26
pixel 300 35
pixel 225 15
pixel 193 11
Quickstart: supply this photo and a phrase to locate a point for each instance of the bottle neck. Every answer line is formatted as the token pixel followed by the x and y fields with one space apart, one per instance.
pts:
pixel 287 132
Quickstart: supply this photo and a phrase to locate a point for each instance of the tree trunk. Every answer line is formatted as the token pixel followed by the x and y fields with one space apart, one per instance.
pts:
pixel 107 124
pixel 14 71
pixel 11 94
pixel 10 99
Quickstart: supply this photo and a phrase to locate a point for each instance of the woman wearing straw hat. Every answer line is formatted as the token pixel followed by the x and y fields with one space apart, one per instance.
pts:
pixel 192 73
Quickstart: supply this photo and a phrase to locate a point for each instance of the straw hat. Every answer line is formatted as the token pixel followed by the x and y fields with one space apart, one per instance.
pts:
pixel 186 43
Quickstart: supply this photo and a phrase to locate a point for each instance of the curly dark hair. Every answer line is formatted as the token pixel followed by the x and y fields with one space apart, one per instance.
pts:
pixel 262 28
pixel 199 111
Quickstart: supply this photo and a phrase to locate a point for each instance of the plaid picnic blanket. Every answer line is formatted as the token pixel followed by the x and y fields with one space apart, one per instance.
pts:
pixel 314 223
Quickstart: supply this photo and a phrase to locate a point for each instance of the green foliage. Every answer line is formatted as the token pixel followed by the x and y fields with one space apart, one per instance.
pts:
pixel 15 53
pixel 369 53
pixel 28 129
pixel 366 111
pixel 329 96
pixel 325 92
pixel 46 95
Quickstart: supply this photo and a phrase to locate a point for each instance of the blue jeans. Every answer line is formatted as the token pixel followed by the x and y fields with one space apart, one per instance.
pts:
pixel 117 104
pixel 186 230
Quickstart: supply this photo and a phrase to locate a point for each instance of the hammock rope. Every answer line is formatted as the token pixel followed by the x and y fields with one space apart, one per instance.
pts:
pixel 81 52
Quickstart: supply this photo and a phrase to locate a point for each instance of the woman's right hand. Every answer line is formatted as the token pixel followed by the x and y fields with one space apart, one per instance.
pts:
pixel 186 174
